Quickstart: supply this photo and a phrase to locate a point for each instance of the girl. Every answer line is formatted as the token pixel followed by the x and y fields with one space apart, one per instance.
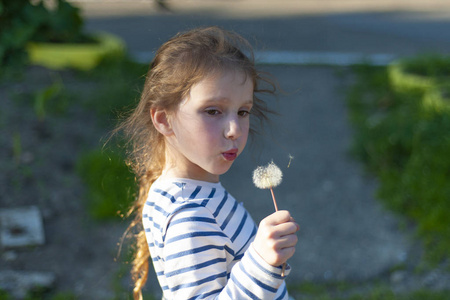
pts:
pixel 190 125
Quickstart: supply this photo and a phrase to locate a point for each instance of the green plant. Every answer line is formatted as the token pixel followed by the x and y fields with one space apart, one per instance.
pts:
pixel 63 24
pixel 23 21
pixel 52 99
pixel 109 182
pixel 431 65
pixel 16 32
pixel 63 296
pixel 49 99
pixel 402 137
pixel 4 295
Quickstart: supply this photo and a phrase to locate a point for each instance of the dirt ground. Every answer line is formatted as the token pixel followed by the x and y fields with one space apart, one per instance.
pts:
pixel 38 161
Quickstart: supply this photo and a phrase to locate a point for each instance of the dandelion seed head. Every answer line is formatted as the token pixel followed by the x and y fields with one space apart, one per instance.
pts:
pixel 267 177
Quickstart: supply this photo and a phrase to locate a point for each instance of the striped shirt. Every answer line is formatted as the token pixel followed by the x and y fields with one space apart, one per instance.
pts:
pixel 200 239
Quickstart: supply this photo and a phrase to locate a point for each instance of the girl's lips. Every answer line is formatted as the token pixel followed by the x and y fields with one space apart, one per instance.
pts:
pixel 230 155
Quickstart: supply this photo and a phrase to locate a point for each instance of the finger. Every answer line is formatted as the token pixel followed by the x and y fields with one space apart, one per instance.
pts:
pixel 287 241
pixel 286 228
pixel 281 216
pixel 287 253
pixel 284 255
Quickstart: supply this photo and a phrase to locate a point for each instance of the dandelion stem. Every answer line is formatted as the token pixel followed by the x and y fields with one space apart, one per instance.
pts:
pixel 274 200
pixel 276 209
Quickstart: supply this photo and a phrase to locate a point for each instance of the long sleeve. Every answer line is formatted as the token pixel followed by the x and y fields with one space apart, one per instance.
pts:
pixel 199 262
pixel 203 251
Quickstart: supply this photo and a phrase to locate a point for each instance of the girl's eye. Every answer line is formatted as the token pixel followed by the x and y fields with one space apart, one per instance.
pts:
pixel 243 113
pixel 212 112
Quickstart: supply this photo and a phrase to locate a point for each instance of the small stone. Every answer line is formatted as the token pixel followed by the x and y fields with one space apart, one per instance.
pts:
pixel 398 276
pixel 20 283
pixel 21 227
pixel 430 279
pixel 9 256
pixel 27 158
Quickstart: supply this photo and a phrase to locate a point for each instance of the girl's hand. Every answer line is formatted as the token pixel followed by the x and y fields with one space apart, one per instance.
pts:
pixel 276 238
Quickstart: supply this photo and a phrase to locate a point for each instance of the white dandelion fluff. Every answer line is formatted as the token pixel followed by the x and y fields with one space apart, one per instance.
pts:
pixel 267 177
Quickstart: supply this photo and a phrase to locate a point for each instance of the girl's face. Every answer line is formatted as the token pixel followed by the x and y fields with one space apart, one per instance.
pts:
pixel 210 127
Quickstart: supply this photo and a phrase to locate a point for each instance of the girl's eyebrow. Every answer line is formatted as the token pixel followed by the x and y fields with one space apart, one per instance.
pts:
pixel 224 99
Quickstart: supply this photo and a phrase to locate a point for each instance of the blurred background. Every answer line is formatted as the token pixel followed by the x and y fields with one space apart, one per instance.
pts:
pixel 362 137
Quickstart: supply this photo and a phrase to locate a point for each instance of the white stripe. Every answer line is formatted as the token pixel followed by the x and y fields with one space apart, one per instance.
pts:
pixel 304 58
pixel 321 58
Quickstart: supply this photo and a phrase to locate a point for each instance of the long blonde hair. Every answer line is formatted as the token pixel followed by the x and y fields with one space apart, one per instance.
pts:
pixel 180 63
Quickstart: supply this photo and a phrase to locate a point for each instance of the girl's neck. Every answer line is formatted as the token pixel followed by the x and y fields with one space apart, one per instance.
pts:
pixel 172 172
pixel 175 168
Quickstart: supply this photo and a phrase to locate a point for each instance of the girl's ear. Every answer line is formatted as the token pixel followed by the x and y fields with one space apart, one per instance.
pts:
pixel 161 121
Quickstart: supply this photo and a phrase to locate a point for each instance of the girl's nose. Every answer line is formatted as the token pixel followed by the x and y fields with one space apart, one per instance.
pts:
pixel 233 129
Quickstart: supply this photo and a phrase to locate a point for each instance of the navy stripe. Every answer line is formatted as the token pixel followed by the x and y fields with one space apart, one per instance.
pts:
pixel 146 216
pixel 161 210
pixel 193 251
pixel 275 275
pixel 255 229
pixel 211 195
pixel 259 283
pixel 194 194
pixel 229 250
pixel 192 219
pixel 186 206
pixel 239 229
pixel 157 244
pixel 149 203
pixel 213 191
pixel 204 295
pixel 282 294
pixel 199 282
pixel 243 288
pixel 230 215
pixel 196 267
pixel 195 234
pixel 156 225
pixel 222 203
pixel 166 194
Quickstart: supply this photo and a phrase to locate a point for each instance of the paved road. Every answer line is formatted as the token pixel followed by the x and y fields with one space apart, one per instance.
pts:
pixel 345 233
pixel 293 25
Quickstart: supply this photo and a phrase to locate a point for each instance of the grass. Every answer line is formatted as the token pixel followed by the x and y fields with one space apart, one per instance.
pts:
pixel 403 138
pixel 346 291
pixel 109 182
pixel 40 294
